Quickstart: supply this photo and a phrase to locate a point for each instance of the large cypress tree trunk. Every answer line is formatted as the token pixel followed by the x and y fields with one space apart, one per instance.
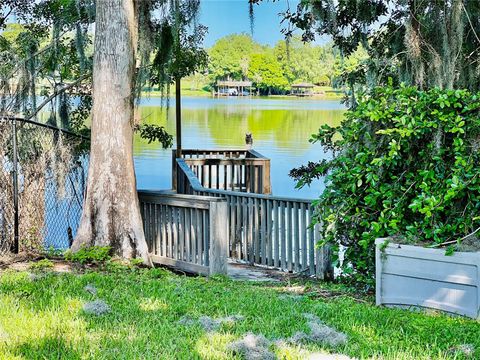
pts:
pixel 111 213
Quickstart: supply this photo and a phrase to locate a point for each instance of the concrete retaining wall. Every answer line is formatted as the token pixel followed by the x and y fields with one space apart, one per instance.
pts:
pixel 414 276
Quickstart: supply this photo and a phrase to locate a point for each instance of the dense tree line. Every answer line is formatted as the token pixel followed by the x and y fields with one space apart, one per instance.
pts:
pixel 274 69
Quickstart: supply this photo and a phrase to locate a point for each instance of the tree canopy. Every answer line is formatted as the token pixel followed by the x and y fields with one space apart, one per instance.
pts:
pixel 422 43
pixel 230 56
pixel 49 51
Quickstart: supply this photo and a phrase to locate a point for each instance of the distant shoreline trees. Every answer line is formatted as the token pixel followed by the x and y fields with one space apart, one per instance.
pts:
pixel 274 69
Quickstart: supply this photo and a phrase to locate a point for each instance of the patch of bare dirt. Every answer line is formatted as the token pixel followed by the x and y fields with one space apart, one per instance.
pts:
pixel 24 261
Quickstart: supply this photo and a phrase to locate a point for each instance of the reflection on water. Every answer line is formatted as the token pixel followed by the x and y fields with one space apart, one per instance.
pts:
pixel 280 127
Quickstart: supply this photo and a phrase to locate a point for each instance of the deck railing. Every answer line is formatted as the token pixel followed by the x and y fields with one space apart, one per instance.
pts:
pixel 232 170
pixel 265 229
pixel 186 232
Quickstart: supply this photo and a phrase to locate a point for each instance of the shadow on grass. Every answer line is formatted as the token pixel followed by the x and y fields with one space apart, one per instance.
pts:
pixel 47 348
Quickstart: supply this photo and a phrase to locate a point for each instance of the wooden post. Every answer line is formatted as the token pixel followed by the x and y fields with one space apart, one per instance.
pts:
pixel 174 170
pixel 218 237
pixel 267 187
pixel 178 113
pixel 324 269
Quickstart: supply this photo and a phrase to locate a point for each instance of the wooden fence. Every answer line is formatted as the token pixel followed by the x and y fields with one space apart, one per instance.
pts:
pixel 232 170
pixel 186 232
pixel 264 229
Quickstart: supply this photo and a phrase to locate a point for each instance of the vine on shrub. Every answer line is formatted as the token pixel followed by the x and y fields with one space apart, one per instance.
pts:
pixel 406 163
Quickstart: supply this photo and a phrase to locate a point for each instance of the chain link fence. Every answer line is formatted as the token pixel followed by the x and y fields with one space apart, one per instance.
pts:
pixel 43 173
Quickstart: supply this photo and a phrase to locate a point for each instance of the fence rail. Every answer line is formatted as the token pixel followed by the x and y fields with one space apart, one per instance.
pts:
pixel 265 229
pixel 186 232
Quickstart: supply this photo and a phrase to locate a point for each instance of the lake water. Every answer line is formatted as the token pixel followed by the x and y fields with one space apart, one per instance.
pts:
pixel 280 127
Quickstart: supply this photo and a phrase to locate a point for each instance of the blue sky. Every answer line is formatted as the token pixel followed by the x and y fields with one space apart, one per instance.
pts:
pixel 224 17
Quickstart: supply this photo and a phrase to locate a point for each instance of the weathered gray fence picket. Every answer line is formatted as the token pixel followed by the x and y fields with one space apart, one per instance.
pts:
pixel 265 229
pixel 186 232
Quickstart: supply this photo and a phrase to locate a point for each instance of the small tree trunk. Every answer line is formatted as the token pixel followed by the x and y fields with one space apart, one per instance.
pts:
pixel 111 213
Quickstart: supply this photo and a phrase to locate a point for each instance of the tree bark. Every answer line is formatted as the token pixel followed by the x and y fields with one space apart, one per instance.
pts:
pixel 111 212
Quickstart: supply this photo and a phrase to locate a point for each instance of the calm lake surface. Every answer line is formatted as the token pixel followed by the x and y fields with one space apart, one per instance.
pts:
pixel 280 128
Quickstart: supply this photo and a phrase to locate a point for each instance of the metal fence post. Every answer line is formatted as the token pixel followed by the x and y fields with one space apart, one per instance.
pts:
pixel 15 246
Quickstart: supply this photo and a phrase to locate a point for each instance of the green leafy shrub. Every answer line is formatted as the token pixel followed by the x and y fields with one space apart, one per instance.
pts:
pixel 406 163
pixel 92 254
pixel 52 252
pixel 136 262
pixel 41 265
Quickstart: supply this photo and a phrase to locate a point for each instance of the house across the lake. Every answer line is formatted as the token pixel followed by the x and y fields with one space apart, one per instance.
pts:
pixel 233 88
pixel 302 89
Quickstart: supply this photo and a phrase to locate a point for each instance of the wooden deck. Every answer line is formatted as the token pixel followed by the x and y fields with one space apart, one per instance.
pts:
pixel 258 228
pixel 232 170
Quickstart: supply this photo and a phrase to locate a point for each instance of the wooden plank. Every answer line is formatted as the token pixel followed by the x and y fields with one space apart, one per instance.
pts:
pixel 225 177
pixel 182 265
pixel 195 257
pixel 267 187
pixel 199 235
pixel 250 232
pixel 210 185
pixel 296 238
pixel 232 224
pixel 164 230
pixel 256 231
pixel 242 178
pixel 303 235
pixel 206 237
pixel 181 233
pixel 269 259
pixel 158 230
pixel 247 178
pixel 289 236
pixel 318 255
pixel 168 213
pixel 175 232
pixel 226 161
pixel 263 231
pixel 174 170
pixel 276 234
pixel 239 178
pixel 218 238
pixel 146 223
pixel 245 229
pixel 151 219
pixel 283 236
pixel 238 227
pixel 177 202
pixel 311 240
pixel 188 231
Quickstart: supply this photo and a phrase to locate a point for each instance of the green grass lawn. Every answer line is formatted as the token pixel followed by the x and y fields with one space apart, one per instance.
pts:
pixel 42 318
